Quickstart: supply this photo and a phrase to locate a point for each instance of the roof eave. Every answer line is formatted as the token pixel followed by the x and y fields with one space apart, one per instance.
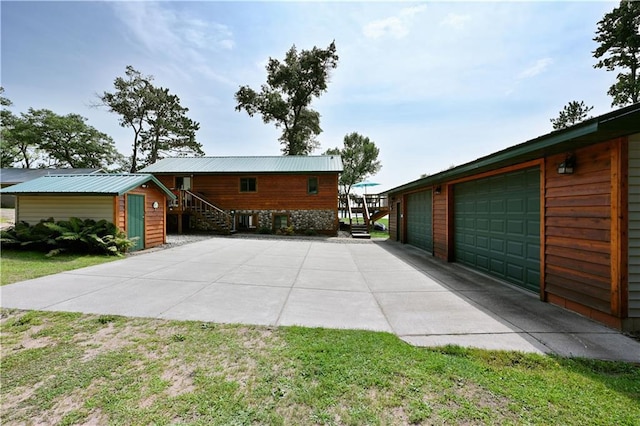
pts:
pixel 608 126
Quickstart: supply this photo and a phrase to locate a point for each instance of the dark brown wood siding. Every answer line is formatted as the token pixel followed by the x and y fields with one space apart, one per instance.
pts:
pixel 440 243
pixel 578 230
pixel 273 191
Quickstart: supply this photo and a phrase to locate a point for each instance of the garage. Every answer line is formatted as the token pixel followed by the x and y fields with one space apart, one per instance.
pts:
pixel 497 226
pixel 419 229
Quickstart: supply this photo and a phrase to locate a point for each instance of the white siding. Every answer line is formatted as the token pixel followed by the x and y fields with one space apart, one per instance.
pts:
pixel 32 208
pixel 634 226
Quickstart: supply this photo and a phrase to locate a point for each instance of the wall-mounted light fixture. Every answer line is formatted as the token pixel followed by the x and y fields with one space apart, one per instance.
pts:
pixel 144 185
pixel 155 205
pixel 568 165
pixel 438 190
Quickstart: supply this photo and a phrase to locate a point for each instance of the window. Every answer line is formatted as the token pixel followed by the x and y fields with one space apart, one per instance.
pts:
pixel 247 184
pixel 312 185
pixel 280 221
pixel 183 182
pixel 247 221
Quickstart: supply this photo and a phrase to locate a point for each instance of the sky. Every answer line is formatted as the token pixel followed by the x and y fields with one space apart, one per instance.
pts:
pixel 433 84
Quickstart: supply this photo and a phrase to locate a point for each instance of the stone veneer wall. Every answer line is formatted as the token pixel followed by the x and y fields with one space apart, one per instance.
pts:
pixel 322 221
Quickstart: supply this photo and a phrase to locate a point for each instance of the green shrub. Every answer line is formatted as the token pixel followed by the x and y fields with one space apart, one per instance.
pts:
pixel 73 235
pixel 265 230
pixel 310 232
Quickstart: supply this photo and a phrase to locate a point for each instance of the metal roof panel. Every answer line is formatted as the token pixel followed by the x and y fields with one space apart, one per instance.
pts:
pixel 273 164
pixel 108 184
pixel 15 175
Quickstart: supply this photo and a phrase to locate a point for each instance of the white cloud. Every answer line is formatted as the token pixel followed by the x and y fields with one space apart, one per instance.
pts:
pixel 161 29
pixel 455 21
pixel 538 67
pixel 396 26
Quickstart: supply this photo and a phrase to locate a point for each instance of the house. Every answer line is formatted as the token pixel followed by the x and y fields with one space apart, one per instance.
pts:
pixel 558 216
pixel 136 203
pixel 252 193
pixel 14 176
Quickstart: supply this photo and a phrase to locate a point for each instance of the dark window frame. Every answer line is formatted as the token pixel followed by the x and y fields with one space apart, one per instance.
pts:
pixel 317 185
pixel 273 220
pixel 245 184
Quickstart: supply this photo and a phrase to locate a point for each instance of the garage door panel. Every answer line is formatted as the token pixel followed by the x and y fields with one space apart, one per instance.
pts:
pixel 419 220
pixel 503 211
pixel 497 266
pixel 516 248
pixel 515 226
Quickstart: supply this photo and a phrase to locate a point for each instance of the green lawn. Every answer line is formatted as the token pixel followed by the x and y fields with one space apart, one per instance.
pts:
pixel 66 368
pixel 381 234
pixel 23 265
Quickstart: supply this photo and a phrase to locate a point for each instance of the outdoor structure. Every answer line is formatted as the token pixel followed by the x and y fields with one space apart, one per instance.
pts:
pixel 136 203
pixel 558 215
pixel 227 194
pixel 14 176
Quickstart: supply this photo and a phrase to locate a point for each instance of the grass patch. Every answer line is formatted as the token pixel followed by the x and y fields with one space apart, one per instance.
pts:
pixel 23 265
pixel 381 234
pixel 71 368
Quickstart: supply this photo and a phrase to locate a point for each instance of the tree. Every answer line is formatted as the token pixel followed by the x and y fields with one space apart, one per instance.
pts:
pixel 159 123
pixel 618 34
pixel 8 154
pixel 285 98
pixel 68 141
pixel 572 113
pixel 359 160
pixel 169 131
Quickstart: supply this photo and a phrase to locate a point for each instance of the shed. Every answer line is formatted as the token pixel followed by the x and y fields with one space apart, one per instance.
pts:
pixel 558 215
pixel 135 203
pixel 14 175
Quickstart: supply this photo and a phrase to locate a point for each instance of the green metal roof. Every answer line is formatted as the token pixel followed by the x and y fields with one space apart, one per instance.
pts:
pixel 279 164
pixel 14 175
pixel 622 122
pixel 96 184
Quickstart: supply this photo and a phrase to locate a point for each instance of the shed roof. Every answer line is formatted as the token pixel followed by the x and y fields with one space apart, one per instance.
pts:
pixel 11 176
pixel 622 122
pixel 274 164
pixel 96 184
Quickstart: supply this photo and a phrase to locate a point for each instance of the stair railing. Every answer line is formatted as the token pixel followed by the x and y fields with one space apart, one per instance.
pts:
pixel 211 214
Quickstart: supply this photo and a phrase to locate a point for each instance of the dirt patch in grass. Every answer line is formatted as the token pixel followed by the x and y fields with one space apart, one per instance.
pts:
pixel 181 378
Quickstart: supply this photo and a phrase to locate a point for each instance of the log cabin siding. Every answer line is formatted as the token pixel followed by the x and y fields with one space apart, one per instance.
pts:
pixel 440 221
pixel 634 227
pixel 578 230
pixel 273 191
pixel 33 208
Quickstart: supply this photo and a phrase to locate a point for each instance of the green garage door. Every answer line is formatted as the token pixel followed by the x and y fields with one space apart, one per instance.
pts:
pixel 497 226
pixel 419 232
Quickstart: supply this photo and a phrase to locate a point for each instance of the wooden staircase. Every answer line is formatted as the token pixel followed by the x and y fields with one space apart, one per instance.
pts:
pixel 205 215
pixel 363 211
pixel 358 217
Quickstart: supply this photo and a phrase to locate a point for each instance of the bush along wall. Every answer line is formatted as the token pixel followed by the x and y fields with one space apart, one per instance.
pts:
pixel 73 235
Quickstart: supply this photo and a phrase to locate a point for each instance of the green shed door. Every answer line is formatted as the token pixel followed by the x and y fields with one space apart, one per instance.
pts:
pixel 135 220
pixel 497 226
pixel 419 232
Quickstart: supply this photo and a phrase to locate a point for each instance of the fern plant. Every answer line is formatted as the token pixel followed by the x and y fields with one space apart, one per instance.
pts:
pixel 73 235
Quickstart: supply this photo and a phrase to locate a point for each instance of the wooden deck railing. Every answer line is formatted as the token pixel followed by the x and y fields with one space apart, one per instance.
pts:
pixel 207 215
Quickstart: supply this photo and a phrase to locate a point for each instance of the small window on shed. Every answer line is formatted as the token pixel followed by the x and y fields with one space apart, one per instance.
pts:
pixel 247 184
pixel 312 185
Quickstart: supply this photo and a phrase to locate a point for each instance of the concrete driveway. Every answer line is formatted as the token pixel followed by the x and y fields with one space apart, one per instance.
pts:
pixel 380 286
